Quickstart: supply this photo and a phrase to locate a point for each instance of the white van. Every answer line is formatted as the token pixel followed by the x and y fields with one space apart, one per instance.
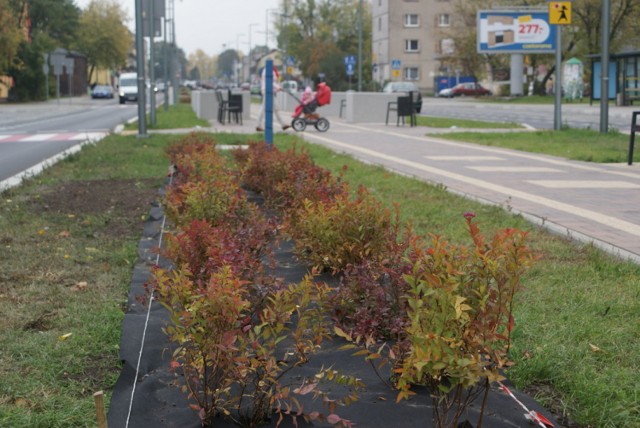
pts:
pixel 128 87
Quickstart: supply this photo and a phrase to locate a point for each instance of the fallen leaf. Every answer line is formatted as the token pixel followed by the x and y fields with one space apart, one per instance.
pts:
pixel 64 234
pixel 22 402
pixel 65 336
pixel 594 348
pixel 80 286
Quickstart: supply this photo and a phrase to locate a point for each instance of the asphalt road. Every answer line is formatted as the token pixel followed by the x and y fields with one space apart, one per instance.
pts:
pixel 575 115
pixel 33 133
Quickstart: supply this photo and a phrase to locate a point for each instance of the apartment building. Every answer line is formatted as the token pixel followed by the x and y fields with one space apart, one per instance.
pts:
pixel 409 37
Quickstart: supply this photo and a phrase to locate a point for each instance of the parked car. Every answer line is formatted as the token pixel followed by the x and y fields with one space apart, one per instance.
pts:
pixel 102 91
pixel 470 89
pixel 405 87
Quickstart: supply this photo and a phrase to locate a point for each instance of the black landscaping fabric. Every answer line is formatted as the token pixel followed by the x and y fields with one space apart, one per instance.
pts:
pixel 159 401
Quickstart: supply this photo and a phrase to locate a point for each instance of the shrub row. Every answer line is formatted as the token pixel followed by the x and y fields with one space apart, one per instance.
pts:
pixel 446 309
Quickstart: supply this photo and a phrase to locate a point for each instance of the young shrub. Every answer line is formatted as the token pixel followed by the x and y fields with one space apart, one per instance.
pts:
pixel 206 325
pixel 233 354
pixel 202 249
pixel 460 318
pixel 285 179
pixel 370 302
pixel 347 231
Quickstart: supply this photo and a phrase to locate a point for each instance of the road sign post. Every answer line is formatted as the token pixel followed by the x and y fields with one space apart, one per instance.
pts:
pixel 559 14
pixel 350 65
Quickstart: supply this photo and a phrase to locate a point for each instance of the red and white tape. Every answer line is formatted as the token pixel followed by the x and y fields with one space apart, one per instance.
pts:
pixel 531 415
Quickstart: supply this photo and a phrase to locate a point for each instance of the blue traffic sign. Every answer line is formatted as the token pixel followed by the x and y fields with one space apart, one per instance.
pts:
pixel 350 69
pixel 350 59
pixel 395 64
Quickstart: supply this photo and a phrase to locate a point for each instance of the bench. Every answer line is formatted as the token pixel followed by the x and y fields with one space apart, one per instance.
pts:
pixel 631 95
pixel 403 107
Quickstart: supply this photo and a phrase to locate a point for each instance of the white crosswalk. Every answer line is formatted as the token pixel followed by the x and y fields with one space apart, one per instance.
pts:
pixel 60 136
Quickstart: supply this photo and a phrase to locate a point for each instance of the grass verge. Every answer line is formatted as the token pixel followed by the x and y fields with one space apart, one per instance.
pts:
pixel 177 116
pixel 443 122
pixel 576 144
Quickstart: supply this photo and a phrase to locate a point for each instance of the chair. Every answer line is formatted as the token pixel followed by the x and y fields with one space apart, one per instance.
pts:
pixel 403 107
pixel 234 106
pixel 223 107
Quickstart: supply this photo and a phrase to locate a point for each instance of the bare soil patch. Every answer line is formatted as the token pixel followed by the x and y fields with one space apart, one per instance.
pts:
pixel 124 203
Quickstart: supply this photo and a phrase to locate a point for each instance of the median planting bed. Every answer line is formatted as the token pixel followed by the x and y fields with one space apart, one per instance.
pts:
pixel 281 296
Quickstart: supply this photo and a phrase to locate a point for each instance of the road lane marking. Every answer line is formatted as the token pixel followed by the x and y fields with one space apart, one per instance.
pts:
pixel 465 158
pixel 584 184
pixel 603 219
pixel 513 169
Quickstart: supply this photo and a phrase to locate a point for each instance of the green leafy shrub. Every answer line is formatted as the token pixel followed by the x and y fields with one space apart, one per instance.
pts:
pixel 346 231
pixel 461 317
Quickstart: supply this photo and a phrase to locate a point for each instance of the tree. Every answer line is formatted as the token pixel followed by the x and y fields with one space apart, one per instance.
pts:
pixel 320 33
pixel 103 36
pixel 10 35
pixel 226 62
pixel 51 24
pixel 203 64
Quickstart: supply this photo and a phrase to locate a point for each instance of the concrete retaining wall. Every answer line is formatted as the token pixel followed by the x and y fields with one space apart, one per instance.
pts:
pixel 205 104
pixel 356 107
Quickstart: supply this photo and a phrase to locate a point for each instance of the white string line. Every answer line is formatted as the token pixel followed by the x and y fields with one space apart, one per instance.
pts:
pixel 146 321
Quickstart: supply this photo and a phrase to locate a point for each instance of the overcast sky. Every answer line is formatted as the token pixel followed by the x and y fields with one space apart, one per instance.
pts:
pixel 210 24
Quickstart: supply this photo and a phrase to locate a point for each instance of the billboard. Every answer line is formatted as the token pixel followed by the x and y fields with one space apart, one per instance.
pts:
pixel 515 32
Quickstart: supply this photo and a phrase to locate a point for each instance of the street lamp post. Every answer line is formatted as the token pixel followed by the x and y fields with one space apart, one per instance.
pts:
pixel 237 70
pixel 249 55
pixel 266 26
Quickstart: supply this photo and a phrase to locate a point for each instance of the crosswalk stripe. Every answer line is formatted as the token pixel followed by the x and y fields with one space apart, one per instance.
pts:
pixel 60 136
pixel 38 137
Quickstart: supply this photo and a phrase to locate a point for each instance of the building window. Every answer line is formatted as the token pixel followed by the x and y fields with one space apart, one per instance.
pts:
pixel 411 73
pixel 444 20
pixel 446 47
pixel 411 45
pixel 411 20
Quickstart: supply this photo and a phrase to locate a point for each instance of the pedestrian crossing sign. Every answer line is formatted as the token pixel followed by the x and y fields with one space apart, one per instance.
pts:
pixel 560 12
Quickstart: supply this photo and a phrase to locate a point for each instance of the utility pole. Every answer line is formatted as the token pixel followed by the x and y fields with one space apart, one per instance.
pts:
pixel 360 46
pixel 604 61
pixel 142 115
pixel 152 62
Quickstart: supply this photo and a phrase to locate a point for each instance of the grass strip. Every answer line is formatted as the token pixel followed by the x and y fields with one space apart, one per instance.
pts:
pixel 177 116
pixel 444 122
pixel 575 144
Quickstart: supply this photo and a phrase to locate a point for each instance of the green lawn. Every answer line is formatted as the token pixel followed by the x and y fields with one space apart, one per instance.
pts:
pixel 577 144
